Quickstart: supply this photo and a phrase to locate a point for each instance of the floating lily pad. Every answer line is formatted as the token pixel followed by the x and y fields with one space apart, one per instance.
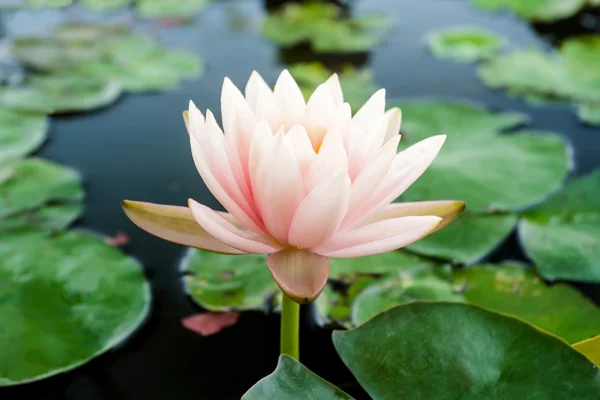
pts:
pixel 512 289
pixel 48 3
pixel 48 218
pixel 291 381
pixel 535 10
pixel 322 25
pixel 589 113
pixel 49 54
pixel 465 44
pixel 562 236
pixel 90 32
pixel 468 239
pixel 65 300
pixel 357 85
pixel 61 94
pixel 105 5
pixel 223 282
pixel 35 182
pixel 590 348
pixel 453 350
pixel 480 166
pixel 170 9
pixel 20 133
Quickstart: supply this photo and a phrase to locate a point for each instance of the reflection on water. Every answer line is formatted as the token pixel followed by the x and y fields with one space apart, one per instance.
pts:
pixel 138 149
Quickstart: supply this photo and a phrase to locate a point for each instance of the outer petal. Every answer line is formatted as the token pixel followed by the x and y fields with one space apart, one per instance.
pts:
pixel 448 210
pixel 255 86
pixel 301 275
pixel 367 148
pixel 378 237
pixel 320 106
pixel 225 231
pixel 406 168
pixel 287 93
pixel 175 224
pixel 321 212
pixel 364 118
pixel 394 117
pixel 336 89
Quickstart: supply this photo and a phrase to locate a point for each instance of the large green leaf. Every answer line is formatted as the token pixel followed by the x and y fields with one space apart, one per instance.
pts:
pixel 562 236
pixel 535 10
pixel 512 289
pixel 464 44
pixel 63 93
pixel 65 300
pixel 443 351
pixel 321 24
pixel 357 85
pixel 480 166
pixel 20 133
pixel 220 282
pixel 291 381
pixel 468 239
pixel 34 182
pixel 47 218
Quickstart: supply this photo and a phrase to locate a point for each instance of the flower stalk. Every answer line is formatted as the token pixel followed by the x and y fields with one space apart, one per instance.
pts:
pixel 290 327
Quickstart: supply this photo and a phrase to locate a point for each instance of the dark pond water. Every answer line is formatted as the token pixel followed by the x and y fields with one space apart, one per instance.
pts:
pixel 138 149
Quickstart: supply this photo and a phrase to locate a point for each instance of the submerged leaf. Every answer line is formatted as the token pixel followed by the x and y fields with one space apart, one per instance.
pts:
pixel 208 324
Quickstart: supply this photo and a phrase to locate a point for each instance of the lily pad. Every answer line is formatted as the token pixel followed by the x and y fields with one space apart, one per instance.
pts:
pixel 562 236
pixel 65 300
pixel 454 350
pixel 48 218
pixel 515 290
pixel 57 94
pixel 170 9
pixel 590 348
pixel 90 32
pixel 468 239
pixel 322 25
pixel 465 44
pixel 105 5
pixel 480 166
pixel 20 133
pixel 535 10
pixel 223 282
pixel 48 3
pixel 589 113
pixel 49 54
pixel 35 182
pixel 357 85
pixel 291 381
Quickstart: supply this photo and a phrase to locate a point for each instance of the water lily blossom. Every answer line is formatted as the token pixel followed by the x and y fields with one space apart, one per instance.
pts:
pixel 301 182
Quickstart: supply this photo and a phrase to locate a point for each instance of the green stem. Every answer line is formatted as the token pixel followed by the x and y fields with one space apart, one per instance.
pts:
pixel 290 327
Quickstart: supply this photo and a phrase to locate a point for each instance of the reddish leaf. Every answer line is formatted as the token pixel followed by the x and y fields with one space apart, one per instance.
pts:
pixel 208 324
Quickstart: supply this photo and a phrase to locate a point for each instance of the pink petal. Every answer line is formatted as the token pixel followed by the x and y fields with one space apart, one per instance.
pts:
pixel 378 237
pixel 364 118
pixel 279 188
pixel 303 149
pixel 301 275
pixel 406 168
pixel 255 86
pixel 228 233
pixel 367 148
pixel 208 324
pixel 175 224
pixel 336 89
pixel 320 106
pixel 266 108
pixel 331 157
pixel 448 210
pixel 321 212
pixel 394 117
pixel 287 93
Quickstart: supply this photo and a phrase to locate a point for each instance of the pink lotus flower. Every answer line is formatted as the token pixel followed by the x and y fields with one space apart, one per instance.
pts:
pixel 301 181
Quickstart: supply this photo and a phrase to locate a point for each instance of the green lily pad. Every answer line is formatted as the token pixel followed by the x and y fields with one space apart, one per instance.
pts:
pixel 511 289
pixel 220 282
pixel 535 10
pixel 562 236
pixel 88 32
pixel 454 350
pixel 480 166
pixel 465 44
pixel 20 133
pixel 35 182
pixel 48 3
pixel 291 381
pixel 48 219
pixel 590 348
pixel 170 9
pixel 105 5
pixel 468 239
pixel 357 85
pixel 390 293
pixel 589 113
pixel 49 54
pixel 61 94
pixel 65 300
pixel 322 25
